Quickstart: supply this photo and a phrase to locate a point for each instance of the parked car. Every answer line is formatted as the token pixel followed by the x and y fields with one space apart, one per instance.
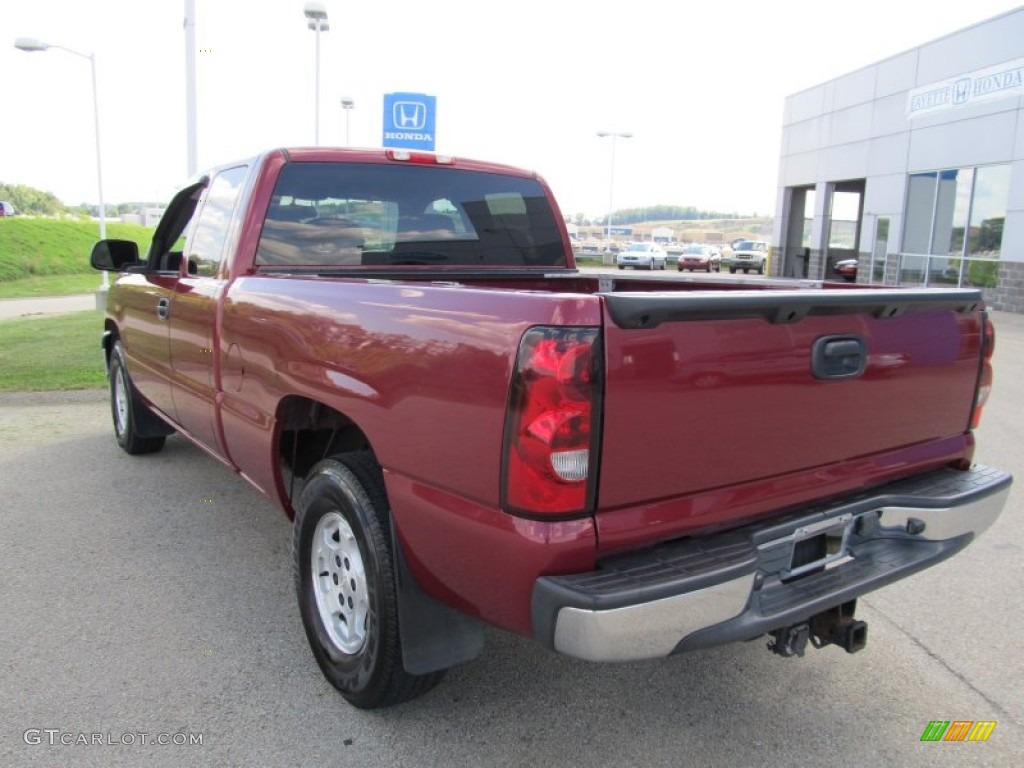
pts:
pixel 748 255
pixel 847 269
pixel 647 255
pixel 703 257
pixel 6 209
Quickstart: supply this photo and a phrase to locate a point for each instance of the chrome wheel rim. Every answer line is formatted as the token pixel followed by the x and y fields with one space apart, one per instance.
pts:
pixel 339 583
pixel 120 402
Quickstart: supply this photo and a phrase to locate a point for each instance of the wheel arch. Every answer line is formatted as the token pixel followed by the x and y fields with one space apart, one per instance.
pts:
pixel 308 431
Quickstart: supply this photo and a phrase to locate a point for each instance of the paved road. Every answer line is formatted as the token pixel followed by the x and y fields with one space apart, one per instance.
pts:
pixel 46 305
pixel 153 595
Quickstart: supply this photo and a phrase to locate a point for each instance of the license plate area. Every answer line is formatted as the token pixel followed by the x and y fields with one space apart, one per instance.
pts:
pixel 819 546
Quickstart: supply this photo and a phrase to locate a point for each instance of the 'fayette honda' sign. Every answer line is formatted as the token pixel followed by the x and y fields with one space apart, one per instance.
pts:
pixel 998 82
pixel 409 120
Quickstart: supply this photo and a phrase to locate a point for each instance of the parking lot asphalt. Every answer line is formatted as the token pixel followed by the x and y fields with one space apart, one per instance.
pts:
pixel 153 595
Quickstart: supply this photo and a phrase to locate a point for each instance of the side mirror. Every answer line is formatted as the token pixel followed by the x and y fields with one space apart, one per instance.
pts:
pixel 114 255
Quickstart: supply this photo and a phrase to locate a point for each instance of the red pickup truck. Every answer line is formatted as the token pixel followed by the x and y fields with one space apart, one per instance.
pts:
pixel 397 349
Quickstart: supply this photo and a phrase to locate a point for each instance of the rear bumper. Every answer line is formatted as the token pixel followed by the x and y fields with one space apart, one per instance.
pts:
pixel 706 591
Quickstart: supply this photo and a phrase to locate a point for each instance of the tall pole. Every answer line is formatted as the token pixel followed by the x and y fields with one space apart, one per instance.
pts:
pixel 347 104
pixel 317 133
pixel 99 161
pixel 615 136
pixel 316 19
pixel 31 45
pixel 190 83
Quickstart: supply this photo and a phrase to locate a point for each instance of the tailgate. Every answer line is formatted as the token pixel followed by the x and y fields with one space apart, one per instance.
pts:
pixel 716 393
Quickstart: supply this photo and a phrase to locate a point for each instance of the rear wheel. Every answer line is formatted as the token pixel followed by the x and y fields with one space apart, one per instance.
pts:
pixel 126 408
pixel 345 581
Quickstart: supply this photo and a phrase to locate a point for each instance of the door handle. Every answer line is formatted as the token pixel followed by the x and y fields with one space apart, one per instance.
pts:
pixel 839 357
pixel 163 308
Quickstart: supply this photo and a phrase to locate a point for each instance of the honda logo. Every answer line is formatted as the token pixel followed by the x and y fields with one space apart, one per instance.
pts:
pixel 411 115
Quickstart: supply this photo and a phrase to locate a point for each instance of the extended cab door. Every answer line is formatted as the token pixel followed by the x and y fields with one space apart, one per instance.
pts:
pixel 146 300
pixel 194 307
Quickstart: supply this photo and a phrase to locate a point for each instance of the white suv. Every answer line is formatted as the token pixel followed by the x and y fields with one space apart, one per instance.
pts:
pixel 749 255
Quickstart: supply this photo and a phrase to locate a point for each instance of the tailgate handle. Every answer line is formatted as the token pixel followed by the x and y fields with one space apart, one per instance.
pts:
pixel 839 357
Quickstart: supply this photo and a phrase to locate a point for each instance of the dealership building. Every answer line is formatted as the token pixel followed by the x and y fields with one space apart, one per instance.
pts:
pixel 914 166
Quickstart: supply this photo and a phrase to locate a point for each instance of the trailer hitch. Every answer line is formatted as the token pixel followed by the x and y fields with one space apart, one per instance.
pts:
pixel 836 626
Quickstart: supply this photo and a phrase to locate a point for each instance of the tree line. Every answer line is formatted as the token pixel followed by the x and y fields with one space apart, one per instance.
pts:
pixel 654 213
pixel 36 202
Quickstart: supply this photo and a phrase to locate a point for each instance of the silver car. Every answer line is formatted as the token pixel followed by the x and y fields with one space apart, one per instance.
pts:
pixel 646 255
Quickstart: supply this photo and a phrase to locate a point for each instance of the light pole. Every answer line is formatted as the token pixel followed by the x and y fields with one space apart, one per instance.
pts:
pixel 348 104
pixel 316 19
pixel 190 84
pixel 611 182
pixel 31 45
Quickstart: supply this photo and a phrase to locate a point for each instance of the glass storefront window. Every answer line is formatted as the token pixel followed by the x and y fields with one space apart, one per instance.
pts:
pixel 912 269
pixel 953 230
pixel 879 249
pixel 920 209
pixel 988 212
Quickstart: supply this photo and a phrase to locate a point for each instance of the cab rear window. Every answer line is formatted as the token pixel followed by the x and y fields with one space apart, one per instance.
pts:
pixel 376 215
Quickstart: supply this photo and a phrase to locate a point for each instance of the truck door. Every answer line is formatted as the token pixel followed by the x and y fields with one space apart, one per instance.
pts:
pixel 147 311
pixel 194 306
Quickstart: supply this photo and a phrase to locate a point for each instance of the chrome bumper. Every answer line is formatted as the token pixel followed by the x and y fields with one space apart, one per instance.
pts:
pixel 702 592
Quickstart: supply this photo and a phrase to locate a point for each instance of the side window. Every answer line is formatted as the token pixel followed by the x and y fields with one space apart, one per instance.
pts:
pixel 206 246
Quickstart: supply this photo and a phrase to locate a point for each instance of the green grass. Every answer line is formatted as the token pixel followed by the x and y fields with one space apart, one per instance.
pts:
pixel 51 285
pixel 52 353
pixel 42 247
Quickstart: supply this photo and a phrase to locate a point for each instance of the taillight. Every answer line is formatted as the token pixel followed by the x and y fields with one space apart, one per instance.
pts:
pixel 984 388
pixel 551 429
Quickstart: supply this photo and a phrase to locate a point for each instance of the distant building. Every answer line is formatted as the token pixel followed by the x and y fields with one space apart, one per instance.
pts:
pixel 151 216
pixel 915 166
pixel 663 235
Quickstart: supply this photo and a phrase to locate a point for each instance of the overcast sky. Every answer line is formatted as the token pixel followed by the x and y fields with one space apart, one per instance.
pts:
pixel 700 85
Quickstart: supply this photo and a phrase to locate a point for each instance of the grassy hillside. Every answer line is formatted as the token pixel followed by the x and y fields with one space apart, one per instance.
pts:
pixel 41 247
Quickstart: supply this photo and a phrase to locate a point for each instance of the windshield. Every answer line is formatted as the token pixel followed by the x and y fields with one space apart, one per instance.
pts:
pixel 641 247
pixel 369 214
pixel 698 250
pixel 750 245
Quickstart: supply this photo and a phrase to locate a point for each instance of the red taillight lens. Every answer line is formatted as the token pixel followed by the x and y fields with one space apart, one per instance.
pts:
pixel 984 388
pixel 551 429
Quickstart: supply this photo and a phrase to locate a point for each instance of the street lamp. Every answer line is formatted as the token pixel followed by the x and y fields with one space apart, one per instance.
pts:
pixel 348 104
pixel 611 182
pixel 316 19
pixel 31 45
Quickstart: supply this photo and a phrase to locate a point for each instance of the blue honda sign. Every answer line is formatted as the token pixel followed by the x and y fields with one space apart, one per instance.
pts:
pixel 409 120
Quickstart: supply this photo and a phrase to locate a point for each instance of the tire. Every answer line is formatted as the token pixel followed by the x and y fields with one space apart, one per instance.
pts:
pixel 708 270
pixel 127 409
pixel 621 267
pixel 342 525
pixel 760 269
pixel 732 270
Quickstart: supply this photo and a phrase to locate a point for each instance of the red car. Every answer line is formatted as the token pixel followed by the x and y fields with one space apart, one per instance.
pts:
pixel 703 257
pixel 847 269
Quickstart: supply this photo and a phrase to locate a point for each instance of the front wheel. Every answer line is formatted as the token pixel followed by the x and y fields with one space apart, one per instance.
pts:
pixel 346 585
pixel 126 408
